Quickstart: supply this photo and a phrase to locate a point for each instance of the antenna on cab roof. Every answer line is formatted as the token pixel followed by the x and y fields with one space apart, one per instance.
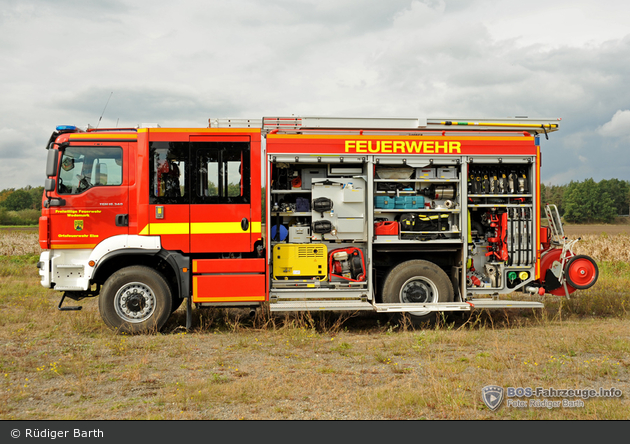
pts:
pixel 106 103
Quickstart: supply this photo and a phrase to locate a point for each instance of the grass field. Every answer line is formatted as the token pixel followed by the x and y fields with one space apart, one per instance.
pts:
pixel 67 365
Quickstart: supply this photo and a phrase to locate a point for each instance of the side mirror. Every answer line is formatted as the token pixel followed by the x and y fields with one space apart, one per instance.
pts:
pixel 49 184
pixel 51 163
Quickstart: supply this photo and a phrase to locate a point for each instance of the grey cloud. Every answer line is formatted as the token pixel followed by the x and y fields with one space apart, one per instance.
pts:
pixel 179 65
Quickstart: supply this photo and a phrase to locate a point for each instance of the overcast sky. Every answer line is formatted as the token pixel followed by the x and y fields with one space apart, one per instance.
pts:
pixel 180 63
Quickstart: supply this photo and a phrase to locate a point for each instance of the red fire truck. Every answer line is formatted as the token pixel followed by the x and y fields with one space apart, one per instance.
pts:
pixel 412 216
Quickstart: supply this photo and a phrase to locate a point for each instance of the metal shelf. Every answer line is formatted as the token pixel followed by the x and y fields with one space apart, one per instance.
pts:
pixel 499 205
pixel 499 195
pixel 413 241
pixel 416 180
pixel 419 210
pixel 291 214
pixel 430 232
pixel 289 191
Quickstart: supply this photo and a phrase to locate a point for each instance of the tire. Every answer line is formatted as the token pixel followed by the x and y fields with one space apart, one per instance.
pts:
pixel 176 303
pixel 417 281
pixel 135 299
pixel 581 272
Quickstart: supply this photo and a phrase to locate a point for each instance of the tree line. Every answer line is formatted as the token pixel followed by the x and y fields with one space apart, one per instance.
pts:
pixel 20 206
pixel 578 202
pixel 588 202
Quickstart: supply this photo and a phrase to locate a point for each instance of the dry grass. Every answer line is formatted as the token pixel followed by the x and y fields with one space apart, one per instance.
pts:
pixel 19 242
pixel 602 242
pixel 67 365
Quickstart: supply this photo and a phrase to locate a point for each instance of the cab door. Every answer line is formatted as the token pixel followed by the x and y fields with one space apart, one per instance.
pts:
pixel 93 186
pixel 221 195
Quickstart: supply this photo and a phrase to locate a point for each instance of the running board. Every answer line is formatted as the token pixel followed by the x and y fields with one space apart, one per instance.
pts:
pixel 493 303
pixel 320 305
pixel 306 305
pixel 403 308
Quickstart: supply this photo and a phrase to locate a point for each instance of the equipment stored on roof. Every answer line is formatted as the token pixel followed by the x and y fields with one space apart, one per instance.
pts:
pixel 413 215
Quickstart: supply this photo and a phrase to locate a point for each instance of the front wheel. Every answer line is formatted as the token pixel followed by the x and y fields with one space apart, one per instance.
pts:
pixel 420 282
pixel 135 300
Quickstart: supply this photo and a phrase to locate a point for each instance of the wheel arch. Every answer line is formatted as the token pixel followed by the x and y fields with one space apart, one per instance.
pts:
pixel 169 263
pixel 386 261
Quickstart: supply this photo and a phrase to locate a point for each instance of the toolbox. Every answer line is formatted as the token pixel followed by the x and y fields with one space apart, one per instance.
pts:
pixel 385 202
pixel 409 202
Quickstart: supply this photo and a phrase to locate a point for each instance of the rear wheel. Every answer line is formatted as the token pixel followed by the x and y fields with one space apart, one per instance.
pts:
pixel 417 281
pixel 135 300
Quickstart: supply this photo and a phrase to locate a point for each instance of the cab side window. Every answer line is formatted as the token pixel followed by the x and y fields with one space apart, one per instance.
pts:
pixel 85 167
pixel 222 173
pixel 167 177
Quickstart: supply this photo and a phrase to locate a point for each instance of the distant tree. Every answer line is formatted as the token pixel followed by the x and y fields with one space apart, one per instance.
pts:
pixel 18 200
pixel 552 194
pixel 618 190
pixel 586 202
pixel 36 196
pixel 5 193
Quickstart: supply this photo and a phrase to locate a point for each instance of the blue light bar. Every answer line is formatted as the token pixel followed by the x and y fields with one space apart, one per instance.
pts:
pixel 66 128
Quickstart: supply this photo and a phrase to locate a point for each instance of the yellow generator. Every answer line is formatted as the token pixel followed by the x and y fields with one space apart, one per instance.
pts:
pixel 300 261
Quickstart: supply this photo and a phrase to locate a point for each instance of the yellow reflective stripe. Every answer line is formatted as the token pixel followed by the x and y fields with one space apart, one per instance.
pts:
pixel 169 228
pixel 86 137
pixel 239 298
pixel 216 228
pixel 73 247
pixel 159 228
pixel 197 298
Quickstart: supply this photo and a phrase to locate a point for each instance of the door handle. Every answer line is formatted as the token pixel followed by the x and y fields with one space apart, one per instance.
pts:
pixel 245 224
pixel 122 220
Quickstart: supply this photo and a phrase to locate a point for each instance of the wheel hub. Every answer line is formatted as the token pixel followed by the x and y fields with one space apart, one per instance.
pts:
pixel 135 302
pixel 582 272
pixel 417 292
pixel 418 289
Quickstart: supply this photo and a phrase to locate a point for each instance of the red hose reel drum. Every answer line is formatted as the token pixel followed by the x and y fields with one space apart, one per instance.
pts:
pixel 580 271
